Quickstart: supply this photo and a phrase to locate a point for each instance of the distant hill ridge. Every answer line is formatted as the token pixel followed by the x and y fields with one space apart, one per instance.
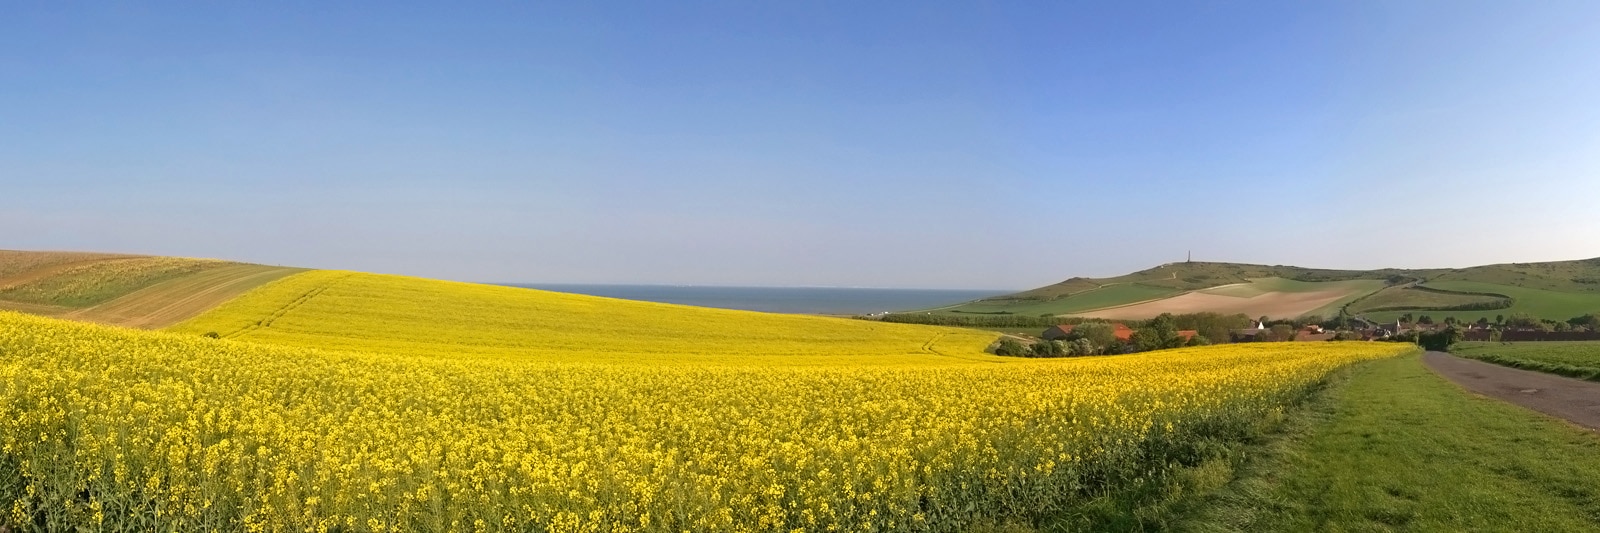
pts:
pixel 1546 287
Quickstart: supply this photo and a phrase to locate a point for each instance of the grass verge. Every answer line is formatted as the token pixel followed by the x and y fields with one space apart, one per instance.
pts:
pixel 1392 447
pixel 1579 359
pixel 1196 471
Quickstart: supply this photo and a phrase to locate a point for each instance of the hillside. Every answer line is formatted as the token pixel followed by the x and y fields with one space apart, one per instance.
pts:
pixel 404 315
pixel 1559 289
pixel 126 290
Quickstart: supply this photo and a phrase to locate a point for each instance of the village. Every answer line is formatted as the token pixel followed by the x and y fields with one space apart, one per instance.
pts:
pixel 1102 337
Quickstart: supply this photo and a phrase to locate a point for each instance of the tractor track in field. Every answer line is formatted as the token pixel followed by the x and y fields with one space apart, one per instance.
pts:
pixel 928 348
pixel 267 322
pixel 1573 400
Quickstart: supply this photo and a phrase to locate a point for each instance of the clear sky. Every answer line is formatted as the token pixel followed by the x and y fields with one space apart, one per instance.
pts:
pixel 916 144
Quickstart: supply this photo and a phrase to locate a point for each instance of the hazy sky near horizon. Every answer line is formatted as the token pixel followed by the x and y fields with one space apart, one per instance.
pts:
pixel 884 144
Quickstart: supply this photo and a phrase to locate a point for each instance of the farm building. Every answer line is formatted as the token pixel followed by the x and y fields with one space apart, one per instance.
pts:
pixel 1122 331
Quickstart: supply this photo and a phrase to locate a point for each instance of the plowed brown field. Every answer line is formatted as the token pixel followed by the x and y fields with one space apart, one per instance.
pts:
pixel 1271 304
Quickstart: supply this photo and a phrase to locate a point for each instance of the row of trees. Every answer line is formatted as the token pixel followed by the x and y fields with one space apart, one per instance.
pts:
pixel 1100 338
pixel 977 321
pixel 1588 322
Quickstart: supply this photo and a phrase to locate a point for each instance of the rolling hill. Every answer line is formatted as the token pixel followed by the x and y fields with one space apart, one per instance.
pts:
pixel 404 315
pixel 139 291
pixel 326 398
pixel 1554 290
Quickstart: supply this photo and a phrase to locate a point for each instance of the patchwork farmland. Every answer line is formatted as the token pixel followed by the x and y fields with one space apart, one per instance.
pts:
pixel 1557 291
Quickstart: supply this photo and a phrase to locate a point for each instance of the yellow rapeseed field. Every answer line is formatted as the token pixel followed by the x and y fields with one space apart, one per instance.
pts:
pixel 414 316
pixel 454 407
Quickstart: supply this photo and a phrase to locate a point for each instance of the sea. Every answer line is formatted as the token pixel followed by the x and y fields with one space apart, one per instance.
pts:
pixel 805 300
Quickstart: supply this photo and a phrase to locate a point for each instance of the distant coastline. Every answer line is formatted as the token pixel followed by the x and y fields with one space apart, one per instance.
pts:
pixel 803 300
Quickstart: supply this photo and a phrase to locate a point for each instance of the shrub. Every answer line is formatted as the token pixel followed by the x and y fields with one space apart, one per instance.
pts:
pixel 1049 349
pixel 1010 347
pixel 1082 347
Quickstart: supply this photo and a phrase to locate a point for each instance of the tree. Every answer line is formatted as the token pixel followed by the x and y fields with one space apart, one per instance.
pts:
pixel 1483 322
pixel 1425 319
pixel 1281 333
pixel 1082 347
pixel 1099 333
pixel 1521 320
pixel 1439 341
pixel 1198 340
pixel 1451 321
pixel 1049 349
pixel 1010 347
pixel 1407 318
pixel 1159 333
pixel 1499 319
pixel 1562 326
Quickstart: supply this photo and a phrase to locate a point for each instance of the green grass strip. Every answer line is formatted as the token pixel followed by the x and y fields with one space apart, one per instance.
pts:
pixel 1393 447
pixel 1580 372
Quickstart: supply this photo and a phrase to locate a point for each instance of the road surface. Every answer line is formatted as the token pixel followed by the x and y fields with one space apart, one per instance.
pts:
pixel 1573 400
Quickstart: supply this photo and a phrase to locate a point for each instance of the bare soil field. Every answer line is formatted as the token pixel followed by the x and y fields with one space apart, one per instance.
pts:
pixel 1271 304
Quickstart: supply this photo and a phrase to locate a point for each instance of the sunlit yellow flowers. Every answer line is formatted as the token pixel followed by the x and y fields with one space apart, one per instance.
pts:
pixel 561 426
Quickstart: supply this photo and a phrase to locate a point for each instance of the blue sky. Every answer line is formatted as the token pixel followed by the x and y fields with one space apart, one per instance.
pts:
pixel 916 144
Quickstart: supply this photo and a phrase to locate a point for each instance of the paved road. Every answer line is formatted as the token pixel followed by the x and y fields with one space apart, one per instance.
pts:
pixel 1574 400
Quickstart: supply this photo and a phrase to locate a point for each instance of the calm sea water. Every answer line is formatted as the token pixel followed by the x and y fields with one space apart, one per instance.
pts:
pixel 816 300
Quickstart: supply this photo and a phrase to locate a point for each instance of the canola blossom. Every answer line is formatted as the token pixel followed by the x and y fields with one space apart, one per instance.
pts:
pixel 423 419
pixel 413 316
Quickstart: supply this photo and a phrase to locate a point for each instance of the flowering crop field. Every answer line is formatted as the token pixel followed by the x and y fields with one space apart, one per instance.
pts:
pixel 413 316
pixel 357 402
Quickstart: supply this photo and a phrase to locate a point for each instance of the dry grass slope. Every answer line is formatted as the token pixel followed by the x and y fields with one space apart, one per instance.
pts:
pixel 128 290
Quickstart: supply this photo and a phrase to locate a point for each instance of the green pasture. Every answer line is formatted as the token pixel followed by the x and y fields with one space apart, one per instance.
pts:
pixel 1541 303
pixel 1411 297
pixel 1110 296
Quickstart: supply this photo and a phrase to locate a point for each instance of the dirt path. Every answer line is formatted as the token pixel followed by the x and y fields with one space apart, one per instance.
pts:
pixel 1573 400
